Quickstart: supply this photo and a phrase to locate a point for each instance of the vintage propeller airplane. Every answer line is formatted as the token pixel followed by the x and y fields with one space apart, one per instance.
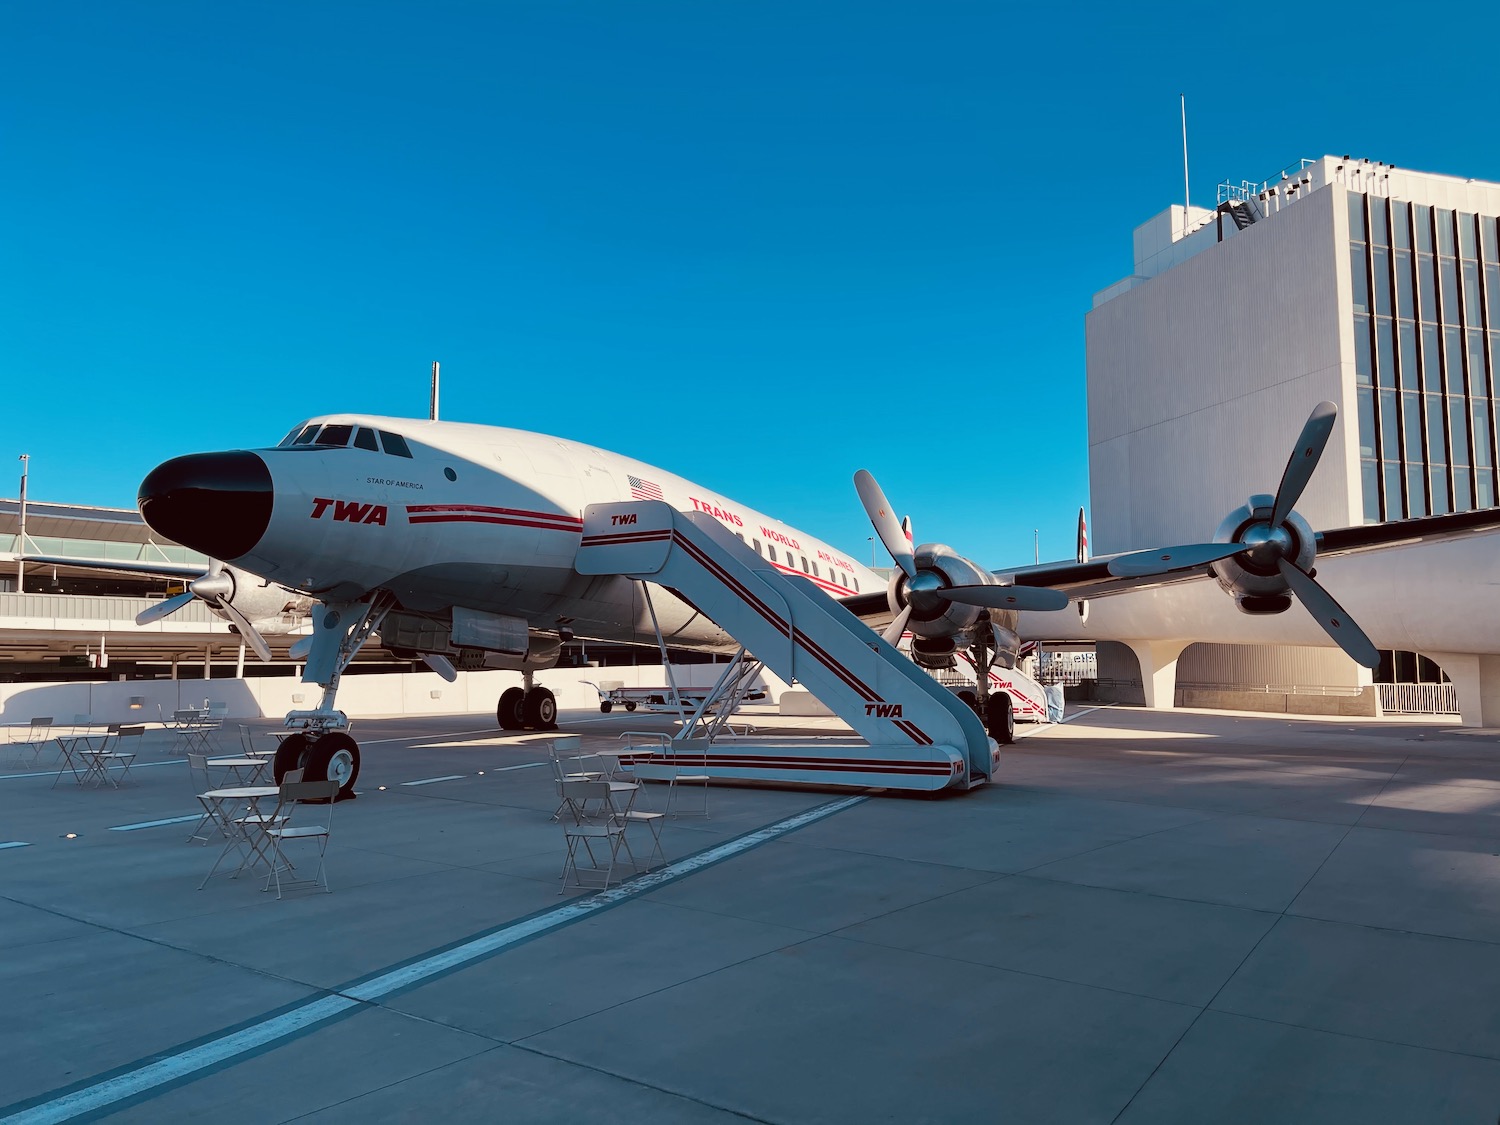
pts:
pixel 456 543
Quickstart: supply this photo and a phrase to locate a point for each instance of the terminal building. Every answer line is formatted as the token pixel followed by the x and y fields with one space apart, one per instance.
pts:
pixel 1374 287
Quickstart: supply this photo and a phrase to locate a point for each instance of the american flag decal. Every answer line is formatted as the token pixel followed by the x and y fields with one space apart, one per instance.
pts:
pixel 643 489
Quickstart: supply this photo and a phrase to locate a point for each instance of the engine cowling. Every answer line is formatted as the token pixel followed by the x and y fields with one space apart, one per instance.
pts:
pixel 1253 578
pixel 938 566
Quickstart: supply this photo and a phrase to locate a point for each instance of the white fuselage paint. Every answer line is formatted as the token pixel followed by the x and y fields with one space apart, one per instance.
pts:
pixel 488 518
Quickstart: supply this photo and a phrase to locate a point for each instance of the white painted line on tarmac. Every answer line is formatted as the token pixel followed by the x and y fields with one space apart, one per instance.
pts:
pixel 156 823
pixel 50 772
pixel 416 737
pixel 523 766
pixel 15 844
pixel 434 780
pixel 1085 711
pixel 184 1064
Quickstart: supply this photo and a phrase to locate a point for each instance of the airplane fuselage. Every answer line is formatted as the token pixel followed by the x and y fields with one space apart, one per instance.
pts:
pixel 446 514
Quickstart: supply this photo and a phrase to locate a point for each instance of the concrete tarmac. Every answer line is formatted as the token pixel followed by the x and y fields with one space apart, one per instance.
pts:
pixel 1155 917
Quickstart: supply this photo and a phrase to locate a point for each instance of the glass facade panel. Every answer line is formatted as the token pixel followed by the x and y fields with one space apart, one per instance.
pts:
pixel 1369 477
pixel 1359 281
pixel 1437 444
pixel 1466 246
pixel 1385 353
pixel 1480 413
pixel 1427 287
pixel 1405 302
pixel 1392 499
pixel 1364 369
pixel 1437 480
pixel 1478 383
pixel 1411 426
pixel 1380 259
pixel 1422 226
pixel 1432 359
pixel 1390 440
pixel 1492 293
pixel 1458 433
pixel 1443 221
pixel 1416 498
pixel 1453 359
pixel 1366 398
pixel 1472 305
pixel 1487 238
pixel 1448 274
pixel 1356 217
pixel 1410 373
pixel 1380 234
pixel 1484 488
pixel 1400 226
pixel 1463 489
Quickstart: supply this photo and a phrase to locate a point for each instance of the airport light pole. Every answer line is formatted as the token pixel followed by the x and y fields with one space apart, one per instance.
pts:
pixel 21 539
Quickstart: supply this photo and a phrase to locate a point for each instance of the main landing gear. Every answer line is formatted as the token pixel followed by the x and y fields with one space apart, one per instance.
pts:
pixel 527 708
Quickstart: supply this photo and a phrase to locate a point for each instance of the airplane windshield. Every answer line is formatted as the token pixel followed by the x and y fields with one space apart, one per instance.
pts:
pixel 321 436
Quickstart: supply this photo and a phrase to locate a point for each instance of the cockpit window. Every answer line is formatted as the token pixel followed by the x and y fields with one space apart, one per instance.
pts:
pixel 297 429
pixel 394 444
pixel 335 435
pixel 307 435
pixel 364 437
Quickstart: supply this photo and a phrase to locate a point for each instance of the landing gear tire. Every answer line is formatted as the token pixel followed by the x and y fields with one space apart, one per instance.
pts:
pixel 539 709
pixel 1001 718
pixel 334 757
pixel 289 756
pixel 509 711
pixel 606 707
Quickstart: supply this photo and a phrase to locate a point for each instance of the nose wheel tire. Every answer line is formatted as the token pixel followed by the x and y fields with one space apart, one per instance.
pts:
pixel 1000 717
pixel 331 757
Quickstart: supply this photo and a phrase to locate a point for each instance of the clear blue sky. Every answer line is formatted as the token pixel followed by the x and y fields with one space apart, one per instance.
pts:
pixel 760 244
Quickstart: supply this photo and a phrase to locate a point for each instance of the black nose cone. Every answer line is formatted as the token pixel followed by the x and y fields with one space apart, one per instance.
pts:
pixel 217 503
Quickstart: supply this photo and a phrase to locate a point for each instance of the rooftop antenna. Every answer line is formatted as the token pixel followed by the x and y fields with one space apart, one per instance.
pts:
pixel 434 390
pixel 1186 194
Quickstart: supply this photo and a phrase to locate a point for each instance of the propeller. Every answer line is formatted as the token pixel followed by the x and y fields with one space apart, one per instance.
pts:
pixel 896 535
pixel 1270 545
pixel 216 588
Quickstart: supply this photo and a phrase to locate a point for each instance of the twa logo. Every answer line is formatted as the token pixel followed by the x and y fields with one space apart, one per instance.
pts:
pixel 348 510
pixel 621 521
pixel 883 710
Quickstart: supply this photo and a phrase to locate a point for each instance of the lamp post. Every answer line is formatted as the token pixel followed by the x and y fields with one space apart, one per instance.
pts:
pixel 21 540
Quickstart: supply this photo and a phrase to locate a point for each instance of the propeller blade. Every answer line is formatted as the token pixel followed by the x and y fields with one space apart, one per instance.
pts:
pixel 1329 614
pixel 248 632
pixel 1006 597
pixel 300 648
pixel 887 526
pixel 1304 459
pixel 897 626
pixel 163 609
pixel 1143 564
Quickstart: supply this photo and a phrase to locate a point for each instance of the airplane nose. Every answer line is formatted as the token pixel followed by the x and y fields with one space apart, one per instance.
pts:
pixel 216 503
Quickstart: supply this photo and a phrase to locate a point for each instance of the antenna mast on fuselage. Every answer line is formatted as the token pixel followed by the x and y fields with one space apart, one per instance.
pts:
pixel 434 410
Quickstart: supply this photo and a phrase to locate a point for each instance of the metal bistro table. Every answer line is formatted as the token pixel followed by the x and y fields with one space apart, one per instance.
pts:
pixel 79 750
pixel 237 834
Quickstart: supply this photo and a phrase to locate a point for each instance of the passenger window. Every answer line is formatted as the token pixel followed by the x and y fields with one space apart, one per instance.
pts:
pixel 335 435
pixel 756 543
pixel 772 550
pixel 856 585
pixel 307 435
pixel 394 444
pixel 815 570
pixel 364 437
pixel 804 565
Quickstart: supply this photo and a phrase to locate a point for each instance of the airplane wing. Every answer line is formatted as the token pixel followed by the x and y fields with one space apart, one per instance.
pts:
pixel 1092 579
pixel 123 566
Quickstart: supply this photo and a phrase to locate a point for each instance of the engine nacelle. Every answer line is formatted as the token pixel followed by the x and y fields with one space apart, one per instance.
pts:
pixel 1253 579
pixel 269 607
pixel 933 615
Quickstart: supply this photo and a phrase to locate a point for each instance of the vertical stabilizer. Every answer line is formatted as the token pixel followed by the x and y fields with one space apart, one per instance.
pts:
pixel 1083 537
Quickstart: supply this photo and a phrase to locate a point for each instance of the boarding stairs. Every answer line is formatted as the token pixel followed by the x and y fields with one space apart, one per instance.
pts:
pixel 914 733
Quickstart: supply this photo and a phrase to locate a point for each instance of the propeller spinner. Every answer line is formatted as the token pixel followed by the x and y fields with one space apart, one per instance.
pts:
pixel 1270 547
pixel 216 587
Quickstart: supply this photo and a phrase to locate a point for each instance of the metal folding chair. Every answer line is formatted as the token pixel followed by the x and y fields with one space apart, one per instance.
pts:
pixel 580 826
pixel 37 737
pixel 682 775
pixel 279 832
pixel 112 752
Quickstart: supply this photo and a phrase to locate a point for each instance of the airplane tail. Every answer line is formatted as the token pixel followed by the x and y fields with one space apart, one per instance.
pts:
pixel 1083 538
